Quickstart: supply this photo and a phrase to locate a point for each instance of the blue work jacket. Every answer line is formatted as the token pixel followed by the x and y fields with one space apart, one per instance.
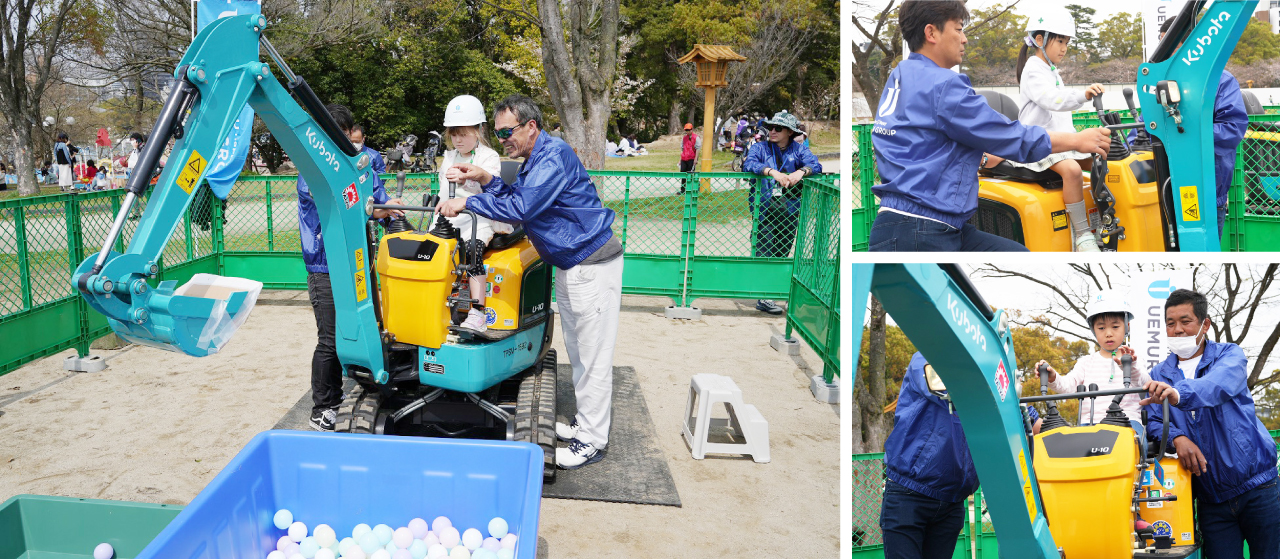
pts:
pixel 929 135
pixel 1216 412
pixel 767 154
pixel 1229 124
pixel 926 452
pixel 309 219
pixel 555 200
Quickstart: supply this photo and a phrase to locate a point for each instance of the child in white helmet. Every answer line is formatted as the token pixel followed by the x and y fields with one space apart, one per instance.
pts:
pixel 464 121
pixel 1047 102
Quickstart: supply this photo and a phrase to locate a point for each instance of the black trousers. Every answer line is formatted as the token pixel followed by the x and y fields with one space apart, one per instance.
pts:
pixel 326 370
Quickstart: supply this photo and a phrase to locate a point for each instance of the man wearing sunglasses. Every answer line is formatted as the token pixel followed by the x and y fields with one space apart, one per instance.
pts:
pixel 555 201
pixel 784 163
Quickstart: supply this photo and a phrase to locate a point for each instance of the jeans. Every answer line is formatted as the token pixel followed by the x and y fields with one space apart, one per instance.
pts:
pixel 326 370
pixel 895 232
pixel 1253 517
pixel 776 226
pixel 916 526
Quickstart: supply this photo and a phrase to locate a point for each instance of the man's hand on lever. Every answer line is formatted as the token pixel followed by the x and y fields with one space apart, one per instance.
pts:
pixel 383 214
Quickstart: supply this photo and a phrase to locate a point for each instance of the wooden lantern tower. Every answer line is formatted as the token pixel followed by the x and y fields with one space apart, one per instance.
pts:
pixel 713 62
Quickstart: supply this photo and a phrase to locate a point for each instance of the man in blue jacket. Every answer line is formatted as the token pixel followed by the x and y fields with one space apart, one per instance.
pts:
pixel 1216 433
pixel 554 199
pixel 784 164
pixel 929 136
pixel 929 473
pixel 326 370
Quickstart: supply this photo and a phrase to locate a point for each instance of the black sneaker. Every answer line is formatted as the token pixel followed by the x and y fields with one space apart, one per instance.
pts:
pixel 767 305
pixel 323 420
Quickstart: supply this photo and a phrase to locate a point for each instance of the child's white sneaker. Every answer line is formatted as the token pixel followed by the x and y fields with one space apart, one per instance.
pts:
pixel 475 322
pixel 1086 242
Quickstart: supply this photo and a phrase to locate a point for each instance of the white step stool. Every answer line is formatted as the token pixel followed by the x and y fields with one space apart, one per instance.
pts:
pixel 705 390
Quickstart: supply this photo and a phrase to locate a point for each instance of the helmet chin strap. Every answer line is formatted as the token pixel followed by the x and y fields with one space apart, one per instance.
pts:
pixel 1039 47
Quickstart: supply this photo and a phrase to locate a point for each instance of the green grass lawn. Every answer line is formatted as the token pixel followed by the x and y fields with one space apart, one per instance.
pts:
pixel 664 155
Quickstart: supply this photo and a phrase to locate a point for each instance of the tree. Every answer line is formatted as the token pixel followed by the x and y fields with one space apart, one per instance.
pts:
pixel 1084 48
pixel 1257 43
pixel 32 36
pixel 872 426
pixel 1121 36
pixel 1034 343
pixel 995 45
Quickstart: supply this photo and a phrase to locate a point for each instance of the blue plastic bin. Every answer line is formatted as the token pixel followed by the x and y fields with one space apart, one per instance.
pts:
pixel 343 479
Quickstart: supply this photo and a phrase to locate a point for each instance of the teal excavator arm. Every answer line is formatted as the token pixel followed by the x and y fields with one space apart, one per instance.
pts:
pixel 217 76
pixel 971 348
pixel 1177 89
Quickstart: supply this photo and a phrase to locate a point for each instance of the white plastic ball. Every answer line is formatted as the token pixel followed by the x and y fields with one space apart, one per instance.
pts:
pixel 283 543
pixel 418 549
pixel 440 523
pixel 297 556
pixel 498 527
pixel 369 543
pixel 309 547
pixel 291 549
pixel 472 539
pixel 381 554
pixel 402 554
pixel 402 537
pixel 419 528
pixel 325 553
pixel 492 544
pixel 354 552
pixel 297 531
pixel 103 551
pixel 384 533
pixel 482 553
pixel 506 553
pixel 460 552
pixel 325 536
pixel 283 519
pixel 277 554
pixel 391 547
pixel 437 551
pixel 431 539
pixel 449 537
pixel 345 544
pixel 509 541
pixel 360 530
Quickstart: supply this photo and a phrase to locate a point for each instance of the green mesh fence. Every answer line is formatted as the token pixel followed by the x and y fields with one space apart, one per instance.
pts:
pixel 1253 214
pixel 814 308
pixel 978 538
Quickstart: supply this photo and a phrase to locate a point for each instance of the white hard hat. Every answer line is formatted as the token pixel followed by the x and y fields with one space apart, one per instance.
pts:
pixel 1052 19
pixel 464 110
pixel 1107 301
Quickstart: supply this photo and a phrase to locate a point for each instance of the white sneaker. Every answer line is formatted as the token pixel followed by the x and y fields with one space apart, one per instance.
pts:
pixel 475 322
pixel 1086 242
pixel 578 454
pixel 567 432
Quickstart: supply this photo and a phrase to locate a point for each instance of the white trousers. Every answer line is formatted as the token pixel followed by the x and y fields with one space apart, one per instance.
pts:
pixel 589 298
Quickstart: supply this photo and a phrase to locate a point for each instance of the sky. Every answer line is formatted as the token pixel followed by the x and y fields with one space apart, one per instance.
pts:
pixel 1106 8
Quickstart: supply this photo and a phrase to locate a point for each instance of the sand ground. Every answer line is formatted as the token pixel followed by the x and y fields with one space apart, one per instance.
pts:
pixel 157 426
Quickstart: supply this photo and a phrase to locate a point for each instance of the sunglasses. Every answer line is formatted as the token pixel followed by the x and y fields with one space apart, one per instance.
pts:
pixel 504 133
pixel 777 128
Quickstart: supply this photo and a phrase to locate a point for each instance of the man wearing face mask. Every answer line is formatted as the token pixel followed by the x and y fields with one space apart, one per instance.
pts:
pixel 1216 433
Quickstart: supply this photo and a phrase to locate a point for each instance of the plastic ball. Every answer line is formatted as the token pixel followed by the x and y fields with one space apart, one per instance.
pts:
pixel 509 541
pixel 492 544
pixel 276 554
pixel 437 551
pixel 297 531
pixel 345 544
pixel 506 553
pixel 440 523
pixel 419 528
pixel 283 519
pixel 402 537
pixel 498 527
pixel 402 554
pixel 360 530
pixel 459 552
pixel 309 547
pixel 369 543
pixel 325 536
pixel 381 554
pixel 449 537
pixel 418 549
pixel 472 539
pixel 483 553
pixel 292 549
pixel 391 547
pixel 297 556
pixel 431 539
pixel 103 551
pixel 354 552
pixel 325 553
pixel 384 533
pixel 283 543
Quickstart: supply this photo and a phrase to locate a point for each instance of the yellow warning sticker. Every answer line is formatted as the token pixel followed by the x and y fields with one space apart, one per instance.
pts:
pixel 362 290
pixel 1059 220
pixel 190 175
pixel 1026 486
pixel 1190 203
pixel 359 259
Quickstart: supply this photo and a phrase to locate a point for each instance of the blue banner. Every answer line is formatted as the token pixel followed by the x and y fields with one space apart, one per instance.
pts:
pixel 226 164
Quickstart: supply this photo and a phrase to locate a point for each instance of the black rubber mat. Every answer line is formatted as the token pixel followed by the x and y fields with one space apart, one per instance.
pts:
pixel 634 469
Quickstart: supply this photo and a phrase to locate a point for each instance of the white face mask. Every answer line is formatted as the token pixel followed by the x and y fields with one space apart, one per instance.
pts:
pixel 1186 346
pixel 359 146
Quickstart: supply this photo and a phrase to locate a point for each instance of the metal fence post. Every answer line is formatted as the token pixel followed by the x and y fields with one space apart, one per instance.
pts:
pixel 626 211
pixel 216 232
pixel 688 237
pixel 24 261
pixel 75 252
pixel 271 230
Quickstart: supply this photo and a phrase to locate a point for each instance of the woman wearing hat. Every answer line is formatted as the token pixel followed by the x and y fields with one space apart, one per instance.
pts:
pixel 784 164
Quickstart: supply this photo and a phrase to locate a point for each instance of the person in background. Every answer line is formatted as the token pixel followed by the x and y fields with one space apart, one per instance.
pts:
pixel 64 154
pixel 690 147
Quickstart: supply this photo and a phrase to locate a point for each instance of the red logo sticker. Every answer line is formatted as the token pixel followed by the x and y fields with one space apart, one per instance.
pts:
pixel 350 196
pixel 1002 381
